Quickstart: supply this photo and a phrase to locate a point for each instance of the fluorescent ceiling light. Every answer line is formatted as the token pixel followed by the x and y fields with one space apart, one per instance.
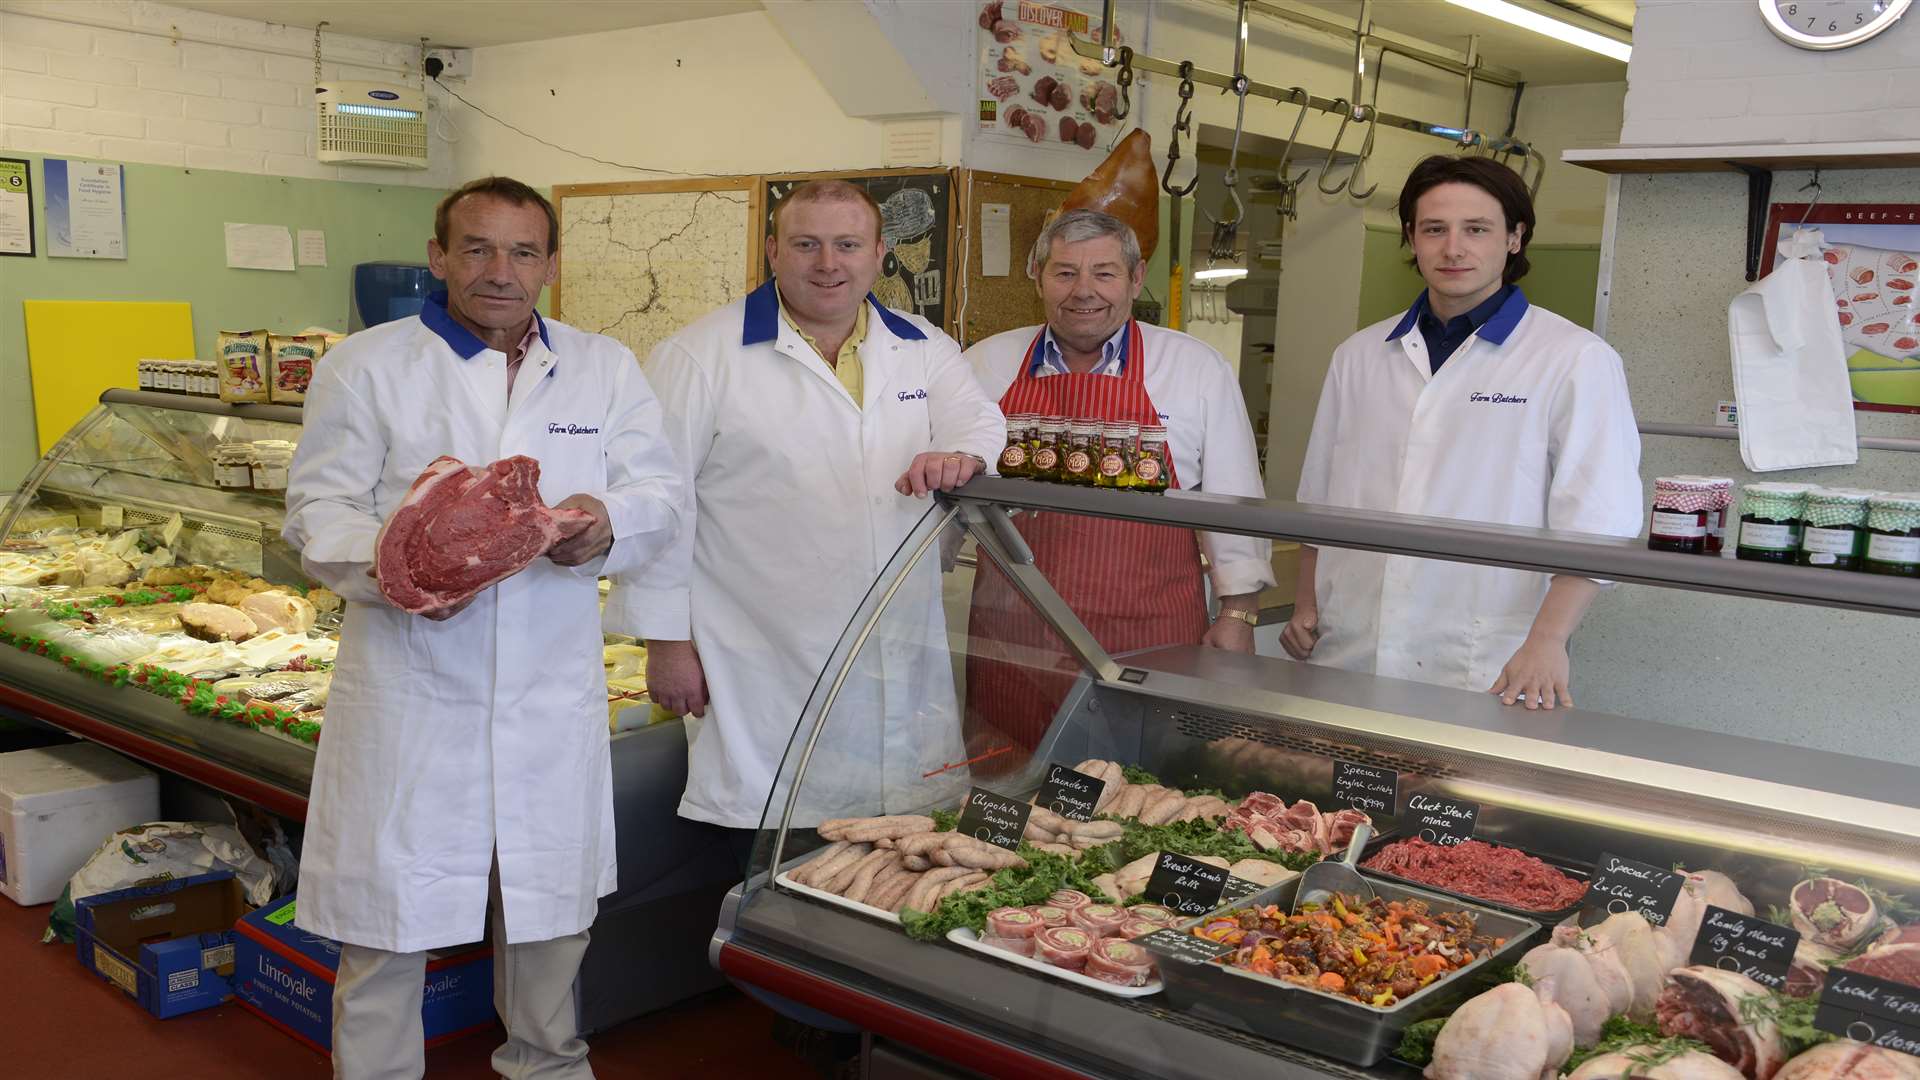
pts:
pixel 1528 19
pixel 1211 275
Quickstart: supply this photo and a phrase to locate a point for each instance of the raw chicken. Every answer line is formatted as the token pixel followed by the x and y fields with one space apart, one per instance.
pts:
pixel 1705 1003
pixel 1504 1034
pixel 1622 1065
pixel 1701 888
pixel 1850 1061
pixel 1565 977
pixel 1629 940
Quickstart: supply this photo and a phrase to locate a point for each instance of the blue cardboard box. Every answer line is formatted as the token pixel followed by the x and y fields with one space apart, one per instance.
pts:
pixel 169 945
pixel 284 975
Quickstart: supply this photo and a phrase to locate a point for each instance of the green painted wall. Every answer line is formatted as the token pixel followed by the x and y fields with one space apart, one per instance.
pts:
pixel 1562 278
pixel 177 251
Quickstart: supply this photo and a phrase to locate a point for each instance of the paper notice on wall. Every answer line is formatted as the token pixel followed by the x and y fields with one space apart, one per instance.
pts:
pixel 313 247
pixel 259 247
pixel 996 239
pixel 16 207
pixel 86 210
pixel 909 142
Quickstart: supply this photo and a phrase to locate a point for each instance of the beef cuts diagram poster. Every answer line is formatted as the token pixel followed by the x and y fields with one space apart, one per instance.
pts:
pixel 1034 88
pixel 1872 252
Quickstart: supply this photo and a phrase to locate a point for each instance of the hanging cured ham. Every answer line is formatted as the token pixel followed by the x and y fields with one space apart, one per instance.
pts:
pixel 1125 186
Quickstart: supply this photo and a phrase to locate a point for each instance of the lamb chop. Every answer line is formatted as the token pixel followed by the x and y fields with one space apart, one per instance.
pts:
pixel 1711 1005
pixel 1834 913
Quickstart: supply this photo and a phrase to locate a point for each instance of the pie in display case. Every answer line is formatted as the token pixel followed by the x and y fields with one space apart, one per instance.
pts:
pixel 1088 895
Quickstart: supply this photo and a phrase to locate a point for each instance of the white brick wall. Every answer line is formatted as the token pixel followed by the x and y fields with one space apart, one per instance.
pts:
pixel 1709 71
pixel 103 90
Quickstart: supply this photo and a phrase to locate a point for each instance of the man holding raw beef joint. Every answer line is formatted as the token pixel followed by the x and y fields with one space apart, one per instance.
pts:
pixel 465 764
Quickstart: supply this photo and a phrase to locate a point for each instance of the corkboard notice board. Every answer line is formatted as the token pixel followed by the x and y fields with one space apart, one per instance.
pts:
pixel 994 304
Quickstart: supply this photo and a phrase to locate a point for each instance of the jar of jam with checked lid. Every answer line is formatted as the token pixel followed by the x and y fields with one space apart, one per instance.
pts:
pixel 1681 512
pixel 1771 516
pixel 1835 537
pixel 1893 535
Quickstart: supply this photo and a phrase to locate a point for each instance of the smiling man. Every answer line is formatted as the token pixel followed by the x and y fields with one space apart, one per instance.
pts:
pixel 795 411
pixel 1135 586
pixel 1473 404
pixel 465 766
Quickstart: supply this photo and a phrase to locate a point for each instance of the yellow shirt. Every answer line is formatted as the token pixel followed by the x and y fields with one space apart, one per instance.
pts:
pixel 847 365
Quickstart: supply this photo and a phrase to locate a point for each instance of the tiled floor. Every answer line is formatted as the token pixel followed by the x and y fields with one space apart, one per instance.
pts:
pixel 59 1021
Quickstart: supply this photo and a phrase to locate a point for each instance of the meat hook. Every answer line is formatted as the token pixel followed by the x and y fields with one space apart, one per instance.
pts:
pixel 1182 122
pixel 1346 117
pixel 1225 231
pixel 1125 79
pixel 1366 148
pixel 1290 185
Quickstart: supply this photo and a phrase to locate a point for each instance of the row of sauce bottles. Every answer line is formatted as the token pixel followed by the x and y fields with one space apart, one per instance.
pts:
pixel 1122 455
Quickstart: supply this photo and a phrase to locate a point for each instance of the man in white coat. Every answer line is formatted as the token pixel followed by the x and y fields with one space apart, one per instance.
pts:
pixel 793 412
pixel 465 764
pixel 1135 586
pixel 1473 404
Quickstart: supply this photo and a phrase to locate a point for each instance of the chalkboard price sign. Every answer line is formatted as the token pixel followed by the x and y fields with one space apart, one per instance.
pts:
pixel 1366 788
pixel 1182 947
pixel 1188 886
pixel 1071 794
pixel 1625 885
pixel 1238 889
pixel 998 820
pixel 1870 1010
pixel 1440 820
pixel 1752 946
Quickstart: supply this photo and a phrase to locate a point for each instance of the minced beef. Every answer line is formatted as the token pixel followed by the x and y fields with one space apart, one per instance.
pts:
pixel 1482 870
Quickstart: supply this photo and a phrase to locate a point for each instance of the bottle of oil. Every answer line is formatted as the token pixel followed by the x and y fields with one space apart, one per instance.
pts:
pixel 1046 450
pixel 1114 470
pixel 1150 466
pixel 1016 458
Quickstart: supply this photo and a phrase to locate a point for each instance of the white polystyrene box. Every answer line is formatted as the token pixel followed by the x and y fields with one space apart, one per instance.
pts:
pixel 57 805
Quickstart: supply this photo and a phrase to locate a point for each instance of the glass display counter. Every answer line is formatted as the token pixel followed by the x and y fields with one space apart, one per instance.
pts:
pixel 964 674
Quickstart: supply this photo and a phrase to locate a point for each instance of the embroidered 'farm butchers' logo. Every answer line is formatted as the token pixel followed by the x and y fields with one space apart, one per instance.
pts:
pixel 1495 399
pixel 571 429
pixel 911 395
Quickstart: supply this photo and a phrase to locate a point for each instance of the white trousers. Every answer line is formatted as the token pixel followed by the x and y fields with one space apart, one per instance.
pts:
pixel 377 1032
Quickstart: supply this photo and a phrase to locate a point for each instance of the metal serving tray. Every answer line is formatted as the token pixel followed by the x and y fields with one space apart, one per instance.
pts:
pixel 1337 1027
pixel 1579 871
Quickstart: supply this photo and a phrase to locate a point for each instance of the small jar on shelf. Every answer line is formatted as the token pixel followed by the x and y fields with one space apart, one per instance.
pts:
pixel 1835 536
pixel 1771 516
pixel 1893 535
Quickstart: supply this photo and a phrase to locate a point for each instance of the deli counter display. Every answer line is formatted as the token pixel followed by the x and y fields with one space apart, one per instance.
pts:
pixel 148 603
pixel 994 842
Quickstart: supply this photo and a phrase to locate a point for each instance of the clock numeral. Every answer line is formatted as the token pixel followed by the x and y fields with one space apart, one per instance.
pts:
pixel 1793 9
pixel 1859 17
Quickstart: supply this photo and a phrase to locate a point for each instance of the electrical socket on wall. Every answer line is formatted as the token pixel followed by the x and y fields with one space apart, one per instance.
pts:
pixel 459 62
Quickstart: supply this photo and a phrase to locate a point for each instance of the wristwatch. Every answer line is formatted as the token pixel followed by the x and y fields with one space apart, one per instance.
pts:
pixel 1251 618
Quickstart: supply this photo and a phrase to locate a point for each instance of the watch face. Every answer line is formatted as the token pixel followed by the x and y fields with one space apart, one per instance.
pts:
pixel 1830 24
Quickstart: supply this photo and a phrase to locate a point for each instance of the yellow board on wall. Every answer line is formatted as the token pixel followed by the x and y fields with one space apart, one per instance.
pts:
pixel 78 348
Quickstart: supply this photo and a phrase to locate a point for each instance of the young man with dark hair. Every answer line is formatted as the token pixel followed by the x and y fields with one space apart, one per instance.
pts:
pixel 1472 404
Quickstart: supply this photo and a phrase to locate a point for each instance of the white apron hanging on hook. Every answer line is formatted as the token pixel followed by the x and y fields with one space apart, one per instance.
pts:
pixel 1789 365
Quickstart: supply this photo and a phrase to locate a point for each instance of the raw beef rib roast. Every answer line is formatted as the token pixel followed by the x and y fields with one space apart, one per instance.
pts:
pixel 462 529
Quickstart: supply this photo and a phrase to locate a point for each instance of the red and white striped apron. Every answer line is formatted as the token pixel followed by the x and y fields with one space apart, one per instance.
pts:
pixel 1135 586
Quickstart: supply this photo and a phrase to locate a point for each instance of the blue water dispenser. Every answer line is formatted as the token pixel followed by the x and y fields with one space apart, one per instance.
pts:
pixel 385 291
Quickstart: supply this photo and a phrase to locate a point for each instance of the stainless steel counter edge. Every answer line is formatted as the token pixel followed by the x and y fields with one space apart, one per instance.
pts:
pixel 1542 550
pixel 1100 1035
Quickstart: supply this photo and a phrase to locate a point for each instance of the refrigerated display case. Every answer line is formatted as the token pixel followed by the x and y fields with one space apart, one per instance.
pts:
pixel 1567 785
pixel 134 486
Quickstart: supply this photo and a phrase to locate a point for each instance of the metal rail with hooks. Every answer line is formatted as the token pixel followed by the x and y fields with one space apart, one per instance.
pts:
pixel 1533 169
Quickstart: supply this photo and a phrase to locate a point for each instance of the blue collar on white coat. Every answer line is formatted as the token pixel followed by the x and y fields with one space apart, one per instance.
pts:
pixel 433 315
pixel 1495 330
pixel 762 322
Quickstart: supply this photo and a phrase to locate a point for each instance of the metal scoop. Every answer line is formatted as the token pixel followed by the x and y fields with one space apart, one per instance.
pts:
pixel 1326 877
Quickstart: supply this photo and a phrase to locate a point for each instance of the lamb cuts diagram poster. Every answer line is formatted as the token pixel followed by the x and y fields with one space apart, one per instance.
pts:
pixel 639 261
pixel 1034 88
pixel 1872 252
pixel 916 221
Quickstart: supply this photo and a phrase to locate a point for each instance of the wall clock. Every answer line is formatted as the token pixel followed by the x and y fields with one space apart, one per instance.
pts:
pixel 1830 24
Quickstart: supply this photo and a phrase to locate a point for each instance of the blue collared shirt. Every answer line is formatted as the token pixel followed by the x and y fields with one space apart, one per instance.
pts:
pixel 1493 319
pixel 1113 356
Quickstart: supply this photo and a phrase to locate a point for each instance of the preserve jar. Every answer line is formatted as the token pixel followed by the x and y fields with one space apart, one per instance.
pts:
pixel 271 460
pixel 1682 509
pixel 1150 466
pixel 1016 458
pixel 1893 535
pixel 1078 464
pixel 1835 536
pixel 1116 457
pixel 1046 449
pixel 233 465
pixel 1770 519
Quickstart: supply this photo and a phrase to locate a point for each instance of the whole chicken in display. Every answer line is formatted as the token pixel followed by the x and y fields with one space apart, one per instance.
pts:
pixel 1632 1064
pixel 1507 1033
pixel 1565 977
pixel 1850 1061
pixel 1700 889
pixel 1626 959
pixel 1710 1005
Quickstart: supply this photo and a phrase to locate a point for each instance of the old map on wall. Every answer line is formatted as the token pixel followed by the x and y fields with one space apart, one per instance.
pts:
pixel 639 261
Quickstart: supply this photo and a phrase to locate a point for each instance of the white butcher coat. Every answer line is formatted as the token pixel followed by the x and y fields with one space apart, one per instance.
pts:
pixel 1527 423
pixel 448 741
pixel 794 516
